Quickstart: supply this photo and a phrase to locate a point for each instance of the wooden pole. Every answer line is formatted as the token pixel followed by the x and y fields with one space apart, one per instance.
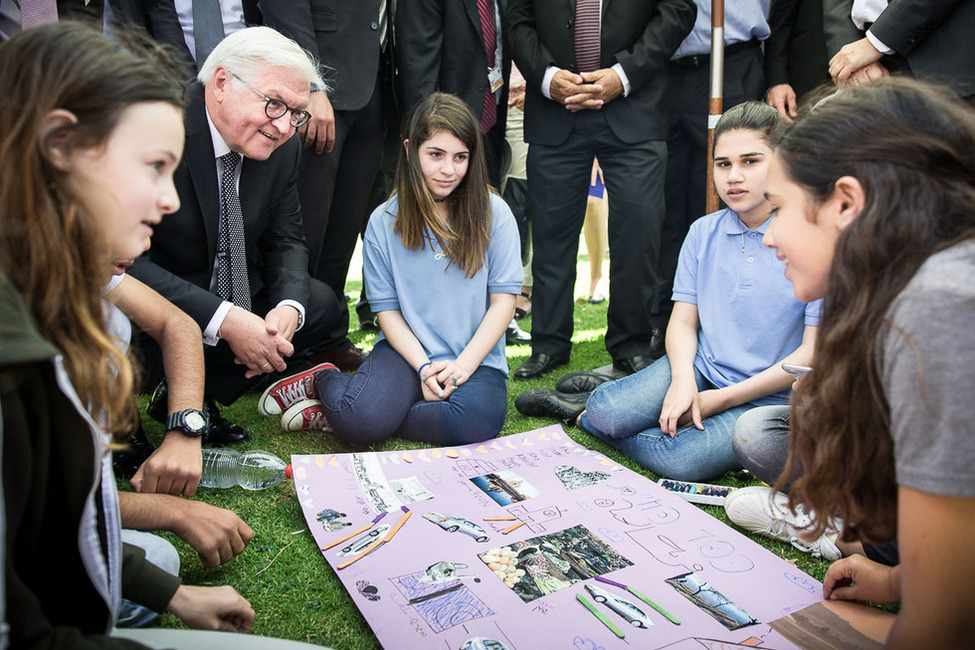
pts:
pixel 715 102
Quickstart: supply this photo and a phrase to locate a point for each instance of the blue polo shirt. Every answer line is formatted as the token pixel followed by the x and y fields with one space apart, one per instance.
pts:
pixel 749 317
pixel 441 306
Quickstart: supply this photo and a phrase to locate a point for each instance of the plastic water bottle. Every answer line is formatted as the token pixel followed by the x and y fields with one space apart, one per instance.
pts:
pixel 251 470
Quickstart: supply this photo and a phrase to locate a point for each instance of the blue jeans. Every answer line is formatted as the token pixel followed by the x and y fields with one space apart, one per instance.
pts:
pixel 163 555
pixel 626 414
pixel 383 399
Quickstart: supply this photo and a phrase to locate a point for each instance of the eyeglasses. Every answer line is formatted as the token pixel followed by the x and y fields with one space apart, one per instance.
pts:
pixel 275 108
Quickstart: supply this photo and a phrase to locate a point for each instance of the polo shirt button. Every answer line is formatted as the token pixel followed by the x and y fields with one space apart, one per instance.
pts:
pixel 751 259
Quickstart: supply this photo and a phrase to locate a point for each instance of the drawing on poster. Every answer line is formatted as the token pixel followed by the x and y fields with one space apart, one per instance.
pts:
pixel 368 591
pixel 410 490
pixel 543 565
pixel 574 478
pixel 443 571
pixel 699 592
pixel 453 524
pixel 441 604
pixel 505 487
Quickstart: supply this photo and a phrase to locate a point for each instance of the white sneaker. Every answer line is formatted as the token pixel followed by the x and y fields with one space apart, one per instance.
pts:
pixel 306 415
pixel 761 510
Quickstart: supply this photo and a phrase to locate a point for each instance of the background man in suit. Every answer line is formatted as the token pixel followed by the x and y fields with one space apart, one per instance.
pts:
pixel 252 91
pixel 795 54
pixel 344 139
pixel 441 46
pixel 595 88
pixel 930 38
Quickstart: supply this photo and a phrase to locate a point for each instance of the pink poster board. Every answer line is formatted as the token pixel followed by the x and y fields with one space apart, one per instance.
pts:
pixel 496 545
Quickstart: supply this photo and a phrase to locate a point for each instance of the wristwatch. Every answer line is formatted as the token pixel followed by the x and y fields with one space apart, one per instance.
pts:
pixel 191 422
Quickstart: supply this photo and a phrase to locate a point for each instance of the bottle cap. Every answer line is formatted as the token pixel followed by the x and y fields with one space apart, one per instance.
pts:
pixel 288 471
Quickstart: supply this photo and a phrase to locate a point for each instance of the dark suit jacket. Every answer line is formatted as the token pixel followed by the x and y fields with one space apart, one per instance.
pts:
pixel 640 35
pixel 439 46
pixel 180 263
pixel 795 52
pixel 344 34
pixel 159 18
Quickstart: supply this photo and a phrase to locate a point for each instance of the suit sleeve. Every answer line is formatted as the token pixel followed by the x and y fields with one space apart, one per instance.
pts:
pixel 647 59
pixel 838 26
pixel 199 303
pixel 283 253
pixel 419 48
pixel 527 51
pixel 293 19
pixel 782 21
pixel 904 24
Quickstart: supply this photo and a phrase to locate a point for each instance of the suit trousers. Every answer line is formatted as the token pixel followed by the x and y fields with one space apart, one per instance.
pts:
pixel 334 190
pixel 687 94
pixel 558 187
pixel 325 327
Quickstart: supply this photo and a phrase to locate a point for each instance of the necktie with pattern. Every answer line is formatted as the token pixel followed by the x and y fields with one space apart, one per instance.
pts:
pixel 232 281
pixel 587 35
pixel 489 34
pixel 34 13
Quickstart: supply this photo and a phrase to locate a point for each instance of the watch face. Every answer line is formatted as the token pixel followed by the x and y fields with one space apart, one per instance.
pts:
pixel 194 420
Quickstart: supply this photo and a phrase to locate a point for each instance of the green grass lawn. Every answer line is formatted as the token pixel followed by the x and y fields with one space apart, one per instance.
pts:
pixel 293 590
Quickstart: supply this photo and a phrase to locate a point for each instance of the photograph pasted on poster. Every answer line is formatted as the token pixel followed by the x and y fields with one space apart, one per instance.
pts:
pixel 497 545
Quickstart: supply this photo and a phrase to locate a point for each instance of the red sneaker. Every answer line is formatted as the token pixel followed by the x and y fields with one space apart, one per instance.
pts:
pixel 306 415
pixel 280 395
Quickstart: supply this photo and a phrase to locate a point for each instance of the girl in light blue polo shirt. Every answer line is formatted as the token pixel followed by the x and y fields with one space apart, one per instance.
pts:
pixel 735 320
pixel 443 266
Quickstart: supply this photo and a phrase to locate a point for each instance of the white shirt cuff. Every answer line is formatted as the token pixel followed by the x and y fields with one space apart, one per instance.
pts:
pixel 211 335
pixel 879 44
pixel 299 307
pixel 547 81
pixel 623 78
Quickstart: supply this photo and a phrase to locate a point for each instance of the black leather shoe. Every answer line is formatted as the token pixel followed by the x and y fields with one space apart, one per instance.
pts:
pixel 345 356
pixel 222 432
pixel 537 365
pixel 548 403
pixel 629 365
pixel 127 462
pixel 658 340
pixel 515 335
pixel 158 408
pixel 584 381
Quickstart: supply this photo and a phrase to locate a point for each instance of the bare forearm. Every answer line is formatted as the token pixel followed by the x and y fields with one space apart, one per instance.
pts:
pixel 147 511
pixel 489 332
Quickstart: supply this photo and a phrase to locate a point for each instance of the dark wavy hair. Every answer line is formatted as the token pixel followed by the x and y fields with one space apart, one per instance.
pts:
pixel 51 246
pixel 464 239
pixel 913 151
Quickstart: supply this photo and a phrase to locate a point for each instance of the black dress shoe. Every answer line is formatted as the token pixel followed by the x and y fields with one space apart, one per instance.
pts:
pixel 584 381
pixel 515 335
pixel 548 403
pixel 629 365
pixel 222 432
pixel 158 408
pixel 658 340
pixel 126 462
pixel 538 364
pixel 345 356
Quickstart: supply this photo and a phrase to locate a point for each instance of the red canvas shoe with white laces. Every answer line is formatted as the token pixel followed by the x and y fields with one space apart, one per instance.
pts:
pixel 306 415
pixel 280 395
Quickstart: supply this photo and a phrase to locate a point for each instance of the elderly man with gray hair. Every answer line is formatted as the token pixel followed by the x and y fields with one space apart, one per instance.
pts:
pixel 233 256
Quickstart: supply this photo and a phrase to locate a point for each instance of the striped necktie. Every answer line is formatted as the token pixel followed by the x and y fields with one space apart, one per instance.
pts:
pixel 34 13
pixel 587 35
pixel 489 35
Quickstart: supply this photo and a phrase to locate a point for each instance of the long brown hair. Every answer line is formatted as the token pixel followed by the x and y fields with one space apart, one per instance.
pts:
pixel 464 239
pixel 51 246
pixel 913 152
